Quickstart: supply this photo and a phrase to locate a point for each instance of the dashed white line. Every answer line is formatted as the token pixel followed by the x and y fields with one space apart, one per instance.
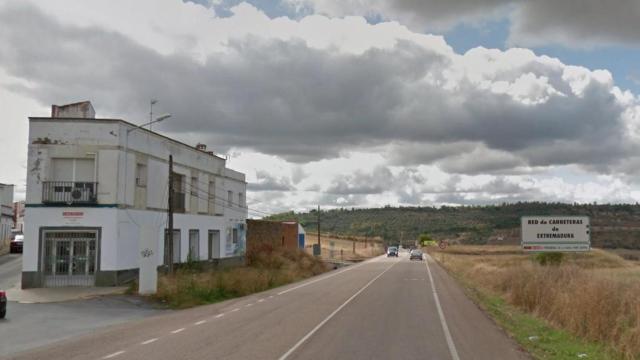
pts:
pixel 114 354
pixel 313 331
pixel 270 296
pixel 445 328
pixel 219 316
pixel 320 279
pixel 236 309
pixel 261 300
pixel 200 322
pixel 248 305
pixel 149 341
pixel 177 331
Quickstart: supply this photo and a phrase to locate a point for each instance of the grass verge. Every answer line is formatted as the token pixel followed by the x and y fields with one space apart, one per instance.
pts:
pixel 266 268
pixel 580 309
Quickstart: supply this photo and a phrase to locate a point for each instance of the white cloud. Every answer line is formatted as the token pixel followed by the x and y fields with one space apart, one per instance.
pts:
pixel 339 94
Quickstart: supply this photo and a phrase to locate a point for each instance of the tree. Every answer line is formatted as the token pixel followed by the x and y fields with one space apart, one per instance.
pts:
pixel 424 238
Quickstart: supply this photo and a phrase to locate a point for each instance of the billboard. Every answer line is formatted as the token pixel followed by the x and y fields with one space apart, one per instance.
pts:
pixel 555 233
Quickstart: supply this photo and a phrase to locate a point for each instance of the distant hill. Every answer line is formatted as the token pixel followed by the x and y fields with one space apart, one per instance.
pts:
pixel 613 226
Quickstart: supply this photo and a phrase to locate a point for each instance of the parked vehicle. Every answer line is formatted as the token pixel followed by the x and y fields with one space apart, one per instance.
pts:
pixel 415 255
pixel 3 304
pixel 392 251
pixel 16 244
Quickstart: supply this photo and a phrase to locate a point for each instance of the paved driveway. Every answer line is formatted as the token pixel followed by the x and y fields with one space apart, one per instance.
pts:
pixel 31 325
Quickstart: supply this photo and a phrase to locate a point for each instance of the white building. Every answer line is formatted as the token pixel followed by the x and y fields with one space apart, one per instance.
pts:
pixel 6 215
pixel 92 183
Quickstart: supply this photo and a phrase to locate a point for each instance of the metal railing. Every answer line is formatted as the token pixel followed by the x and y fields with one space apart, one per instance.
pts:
pixel 69 192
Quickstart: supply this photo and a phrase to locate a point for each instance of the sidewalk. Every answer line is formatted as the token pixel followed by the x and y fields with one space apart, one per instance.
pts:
pixel 50 295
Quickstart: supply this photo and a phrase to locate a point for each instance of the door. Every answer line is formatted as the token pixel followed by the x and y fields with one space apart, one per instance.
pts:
pixel 214 244
pixel 69 258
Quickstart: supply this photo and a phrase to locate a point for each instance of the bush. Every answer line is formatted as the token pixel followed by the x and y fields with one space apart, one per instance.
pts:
pixel 549 258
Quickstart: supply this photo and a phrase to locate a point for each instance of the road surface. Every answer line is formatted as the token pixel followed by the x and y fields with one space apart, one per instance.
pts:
pixel 385 308
pixel 10 270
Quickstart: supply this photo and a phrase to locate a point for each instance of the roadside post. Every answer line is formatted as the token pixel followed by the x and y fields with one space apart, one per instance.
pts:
pixel 555 233
pixel 147 260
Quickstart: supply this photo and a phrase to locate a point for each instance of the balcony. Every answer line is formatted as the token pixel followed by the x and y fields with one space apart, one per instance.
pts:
pixel 69 192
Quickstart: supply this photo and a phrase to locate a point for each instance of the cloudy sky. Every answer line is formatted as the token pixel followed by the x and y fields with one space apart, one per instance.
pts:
pixel 350 103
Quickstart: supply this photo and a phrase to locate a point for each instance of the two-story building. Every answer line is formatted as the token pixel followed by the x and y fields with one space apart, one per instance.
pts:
pixel 6 215
pixel 92 183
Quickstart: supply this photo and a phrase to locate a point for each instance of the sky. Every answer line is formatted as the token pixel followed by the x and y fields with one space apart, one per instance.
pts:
pixel 350 103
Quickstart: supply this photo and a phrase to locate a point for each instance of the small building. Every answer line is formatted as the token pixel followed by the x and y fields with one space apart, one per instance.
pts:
pixel 93 183
pixel 288 234
pixel 18 216
pixel 6 215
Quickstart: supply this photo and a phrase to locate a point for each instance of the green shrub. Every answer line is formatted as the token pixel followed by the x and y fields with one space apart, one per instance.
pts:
pixel 549 258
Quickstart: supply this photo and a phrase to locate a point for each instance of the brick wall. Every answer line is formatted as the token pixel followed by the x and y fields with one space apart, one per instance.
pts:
pixel 271 232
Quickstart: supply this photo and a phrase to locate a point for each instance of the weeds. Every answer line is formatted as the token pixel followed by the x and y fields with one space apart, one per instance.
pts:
pixel 267 267
pixel 593 296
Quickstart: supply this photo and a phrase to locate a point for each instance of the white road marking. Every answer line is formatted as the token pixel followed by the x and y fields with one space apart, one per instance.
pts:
pixel 313 331
pixel 149 341
pixel 201 322
pixel 261 300
pixel 248 305
pixel 219 316
pixel 177 331
pixel 114 354
pixel 445 328
pixel 322 278
pixel 270 296
pixel 236 309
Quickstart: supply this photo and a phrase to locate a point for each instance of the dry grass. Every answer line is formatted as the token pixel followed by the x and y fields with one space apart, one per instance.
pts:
pixel 267 268
pixel 595 296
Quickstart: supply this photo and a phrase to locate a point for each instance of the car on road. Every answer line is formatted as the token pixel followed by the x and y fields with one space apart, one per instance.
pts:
pixel 415 255
pixel 16 244
pixel 3 304
pixel 392 251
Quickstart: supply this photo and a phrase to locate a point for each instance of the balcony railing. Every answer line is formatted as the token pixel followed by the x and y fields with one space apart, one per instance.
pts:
pixel 69 192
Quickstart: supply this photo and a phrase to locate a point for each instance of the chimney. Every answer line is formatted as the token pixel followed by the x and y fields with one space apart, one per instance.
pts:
pixel 201 147
pixel 79 110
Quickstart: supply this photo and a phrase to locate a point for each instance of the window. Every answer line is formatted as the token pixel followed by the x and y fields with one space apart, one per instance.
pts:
pixel 194 186
pixel 76 170
pixel 141 175
pixel 240 200
pixel 176 246
pixel 194 244
pixel 214 244
pixel 229 198
pixel 212 197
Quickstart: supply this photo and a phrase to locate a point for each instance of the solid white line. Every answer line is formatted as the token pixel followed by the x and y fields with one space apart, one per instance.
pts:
pixel 322 278
pixel 113 355
pixel 149 341
pixel 297 345
pixel 177 331
pixel 201 322
pixel 219 316
pixel 445 328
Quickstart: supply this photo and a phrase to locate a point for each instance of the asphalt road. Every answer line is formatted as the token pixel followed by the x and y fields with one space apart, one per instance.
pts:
pixel 381 309
pixel 10 270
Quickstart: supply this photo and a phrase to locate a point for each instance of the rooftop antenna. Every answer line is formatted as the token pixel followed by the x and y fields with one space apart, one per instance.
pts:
pixel 151 103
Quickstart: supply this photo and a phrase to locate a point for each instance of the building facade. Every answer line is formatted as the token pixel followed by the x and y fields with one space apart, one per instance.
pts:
pixel 6 215
pixel 92 184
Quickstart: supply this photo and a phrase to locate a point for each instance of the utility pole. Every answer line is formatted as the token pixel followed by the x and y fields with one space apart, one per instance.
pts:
pixel 318 225
pixel 170 215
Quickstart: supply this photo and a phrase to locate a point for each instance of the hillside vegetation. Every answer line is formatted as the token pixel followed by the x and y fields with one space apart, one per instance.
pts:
pixel 614 226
